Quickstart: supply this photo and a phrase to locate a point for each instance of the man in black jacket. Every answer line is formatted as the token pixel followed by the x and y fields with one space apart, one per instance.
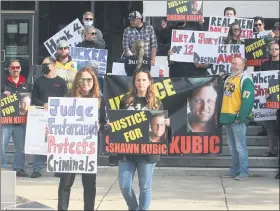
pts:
pixel 15 83
pixel 48 85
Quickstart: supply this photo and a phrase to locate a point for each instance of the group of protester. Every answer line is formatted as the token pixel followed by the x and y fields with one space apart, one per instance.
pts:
pixel 60 78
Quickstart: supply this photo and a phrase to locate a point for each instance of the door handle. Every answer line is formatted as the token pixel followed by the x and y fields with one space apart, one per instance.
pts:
pixel 4 56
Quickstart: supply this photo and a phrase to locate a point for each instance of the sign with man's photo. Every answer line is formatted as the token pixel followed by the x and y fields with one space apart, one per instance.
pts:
pixel 71 33
pixel 222 25
pixel 256 50
pixel 185 11
pixel 14 108
pixel 138 132
pixel 195 128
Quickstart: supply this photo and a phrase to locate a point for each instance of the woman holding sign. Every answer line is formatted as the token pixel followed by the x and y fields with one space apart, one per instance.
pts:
pixel 85 85
pixel 140 97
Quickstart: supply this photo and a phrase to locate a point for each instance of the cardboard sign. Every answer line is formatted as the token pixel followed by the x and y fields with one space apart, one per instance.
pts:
pixel 138 132
pixel 14 108
pixel 178 98
pixel 274 99
pixel 255 51
pixel 36 141
pixel 83 55
pixel 70 33
pixel 183 43
pixel 185 11
pixel 73 134
pixel 261 34
pixel 221 25
pixel 261 80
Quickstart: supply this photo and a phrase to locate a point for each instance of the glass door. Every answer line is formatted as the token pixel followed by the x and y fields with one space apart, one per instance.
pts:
pixel 17 35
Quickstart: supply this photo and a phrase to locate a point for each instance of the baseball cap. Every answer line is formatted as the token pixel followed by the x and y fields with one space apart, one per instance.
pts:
pixel 134 15
pixel 62 44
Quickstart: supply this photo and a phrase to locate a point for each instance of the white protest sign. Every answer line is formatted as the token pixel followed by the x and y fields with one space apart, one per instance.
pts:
pixel 263 34
pixel 118 69
pixel 221 25
pixel 183 43
pixel 73 135
pixel 261 79
pixel 71 33
pixel 36 142
pixel 83 55
pixel 218 55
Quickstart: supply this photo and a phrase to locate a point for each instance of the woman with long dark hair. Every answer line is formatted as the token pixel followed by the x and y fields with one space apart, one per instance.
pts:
pixel 140 97
pixel 234 34
pixel 85 85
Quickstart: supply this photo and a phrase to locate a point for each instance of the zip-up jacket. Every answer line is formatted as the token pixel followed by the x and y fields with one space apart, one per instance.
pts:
pixel 21 87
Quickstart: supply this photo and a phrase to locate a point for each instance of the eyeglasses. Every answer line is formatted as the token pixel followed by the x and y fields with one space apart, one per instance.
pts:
pixel 236 29
pixel 15 67
pixel 83 80
pixel 258 24
pixel 63 48
pixel 94 33
pixel 89 19
pixel 274 49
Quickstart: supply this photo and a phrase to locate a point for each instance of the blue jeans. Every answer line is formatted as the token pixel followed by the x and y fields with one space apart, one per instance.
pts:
pixel 17 132
pixel 145 174
pixel 39 162
pixel 236 137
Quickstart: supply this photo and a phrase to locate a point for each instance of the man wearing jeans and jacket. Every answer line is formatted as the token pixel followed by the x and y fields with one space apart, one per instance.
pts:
pixel 238 101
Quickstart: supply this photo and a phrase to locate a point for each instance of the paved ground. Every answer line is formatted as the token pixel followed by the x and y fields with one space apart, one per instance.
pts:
pixel 169 192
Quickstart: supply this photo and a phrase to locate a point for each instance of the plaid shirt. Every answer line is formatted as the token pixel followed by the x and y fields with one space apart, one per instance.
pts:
pixel 147 34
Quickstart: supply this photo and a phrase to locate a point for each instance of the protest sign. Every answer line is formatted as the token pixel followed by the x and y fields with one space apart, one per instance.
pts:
pixel 36 141
pixel 185 11
pixel 183 43
pixel 263 34
pixel 261 79
pixel 177 96
pixel 273 90
pixel 72 135
pixel 221 25
pixel 84 55
pixel 138 132
pixel 255 51
pixel 70 33
pixel 14 108
pixel 118 69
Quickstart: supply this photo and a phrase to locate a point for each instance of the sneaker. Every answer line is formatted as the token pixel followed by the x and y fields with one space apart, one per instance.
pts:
pixel 241 177
pixel 36 174
pixel 277 175
pixel 228 176
pixel 269 154
pixel 22 173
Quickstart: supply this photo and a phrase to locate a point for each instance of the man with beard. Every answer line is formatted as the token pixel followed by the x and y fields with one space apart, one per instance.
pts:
pixel 15 83
pixel 158 126
pixel 65 67
pixel 202 105
pixel 237 106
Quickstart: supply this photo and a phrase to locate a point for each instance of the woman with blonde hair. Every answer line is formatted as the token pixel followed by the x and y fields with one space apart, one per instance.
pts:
pixel 140 97
pixel 85 85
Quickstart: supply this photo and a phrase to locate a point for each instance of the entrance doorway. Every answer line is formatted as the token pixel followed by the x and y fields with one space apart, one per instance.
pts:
pixel 17 41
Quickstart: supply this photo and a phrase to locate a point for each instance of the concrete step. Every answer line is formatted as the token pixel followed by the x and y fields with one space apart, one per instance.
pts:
pixel 252 151
pixel 251 141
pixel 251 130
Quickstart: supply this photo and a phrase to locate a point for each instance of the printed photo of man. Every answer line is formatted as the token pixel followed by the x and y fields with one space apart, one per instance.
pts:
pixel 197 7
pixel 24 104
pixel 158 126
pixel 201 110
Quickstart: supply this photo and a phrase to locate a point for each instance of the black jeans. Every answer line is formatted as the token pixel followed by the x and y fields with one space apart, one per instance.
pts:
pixel 65 184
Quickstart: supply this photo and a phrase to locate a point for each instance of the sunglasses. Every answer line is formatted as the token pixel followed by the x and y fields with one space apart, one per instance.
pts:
pixel 258 24
pixel 94 33
pixel 89 19
pixel 64 48
pixel 236 29
pixel 83 80
pixel 15 67
pixel 274 49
